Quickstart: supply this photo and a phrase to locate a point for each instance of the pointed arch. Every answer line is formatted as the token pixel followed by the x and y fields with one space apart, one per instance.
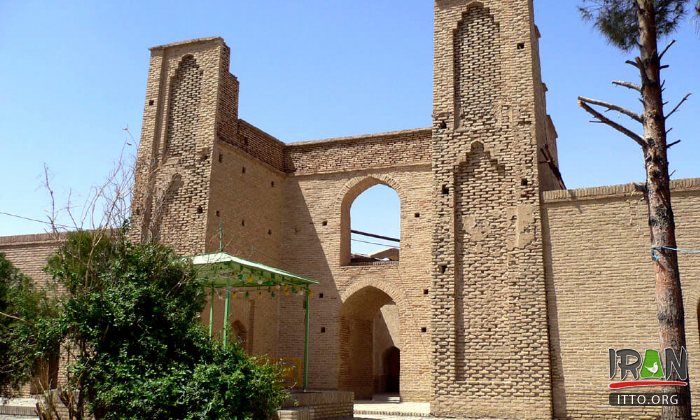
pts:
pixel 477 66
pixel 183 108
pixel 350 191
pixel 362 303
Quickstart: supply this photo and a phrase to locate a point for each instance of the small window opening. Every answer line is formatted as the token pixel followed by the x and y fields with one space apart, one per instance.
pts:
pixel 272 184
pixel 443 268
pixel 521 45
pixel 221 158
pixel 425 291
pixel 524 182
pixel 323 329
pixel 445 190
pixel 423 329
pixel 324 223
pixel 242 222
pixel 200 210
pixel 217 213
pixel 150 103
pixel 320 295
pixel 416 215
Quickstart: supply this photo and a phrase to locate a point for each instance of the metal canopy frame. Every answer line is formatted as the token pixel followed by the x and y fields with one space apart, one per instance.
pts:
pixel 221 270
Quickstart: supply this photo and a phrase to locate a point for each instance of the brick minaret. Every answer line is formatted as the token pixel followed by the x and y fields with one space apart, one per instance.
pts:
pixel 490 336
pixel 191 99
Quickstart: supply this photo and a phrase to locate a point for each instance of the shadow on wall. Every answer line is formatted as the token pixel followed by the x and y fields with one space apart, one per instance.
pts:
pixel 302 253
pixel 557 375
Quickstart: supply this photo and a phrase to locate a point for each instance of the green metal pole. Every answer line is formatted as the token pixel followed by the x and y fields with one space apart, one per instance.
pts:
pixel 306 339
pixel 211 312
pixel 226 311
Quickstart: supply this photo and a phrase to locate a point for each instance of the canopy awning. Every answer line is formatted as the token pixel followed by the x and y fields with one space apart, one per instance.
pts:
pixel 221 270
pixel 225 270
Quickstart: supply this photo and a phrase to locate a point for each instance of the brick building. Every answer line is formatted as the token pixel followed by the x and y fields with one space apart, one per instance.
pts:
pixel 509 289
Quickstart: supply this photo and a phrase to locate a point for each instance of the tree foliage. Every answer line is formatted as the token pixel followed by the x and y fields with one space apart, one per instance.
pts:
pixel 21 306
pixel 130 319
pixel 617 19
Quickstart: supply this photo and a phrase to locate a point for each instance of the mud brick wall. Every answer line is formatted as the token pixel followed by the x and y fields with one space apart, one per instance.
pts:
pixel 600 288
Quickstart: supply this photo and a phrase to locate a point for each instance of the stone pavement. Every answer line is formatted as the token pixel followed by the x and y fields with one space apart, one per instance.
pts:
pixel 385 408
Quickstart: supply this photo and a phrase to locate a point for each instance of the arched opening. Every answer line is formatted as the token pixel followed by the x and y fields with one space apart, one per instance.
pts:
pixel 371 224
pixel 369 344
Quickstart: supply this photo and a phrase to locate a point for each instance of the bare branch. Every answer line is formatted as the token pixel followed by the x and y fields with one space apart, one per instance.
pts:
pixel 673 143
pixel 666 49
pixel 665 66
pixel 13 317
pixel 685 98
pixel 602 118
pixel 628 85
pixel 632 63
pixel 669 130
pixel 613 107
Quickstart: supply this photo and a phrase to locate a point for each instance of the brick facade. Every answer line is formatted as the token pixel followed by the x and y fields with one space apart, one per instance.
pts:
pixel 503 302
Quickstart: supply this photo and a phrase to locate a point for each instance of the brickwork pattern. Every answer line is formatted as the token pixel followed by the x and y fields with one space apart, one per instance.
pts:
pixel 477 68
pixel 388 150
pixel 499 297
pixel 172 187
pixel 600 287
pixel 316 244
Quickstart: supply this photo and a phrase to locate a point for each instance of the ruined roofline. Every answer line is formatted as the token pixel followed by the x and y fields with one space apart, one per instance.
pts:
pixel 613 191
pixel 216 39
pixel 360 137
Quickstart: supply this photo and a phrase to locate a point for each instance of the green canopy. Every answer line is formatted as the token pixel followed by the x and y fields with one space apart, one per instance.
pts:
pixel 220 269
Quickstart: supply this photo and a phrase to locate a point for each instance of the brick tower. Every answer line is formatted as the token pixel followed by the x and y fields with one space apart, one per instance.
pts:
pixel 191 100
pixel 490 129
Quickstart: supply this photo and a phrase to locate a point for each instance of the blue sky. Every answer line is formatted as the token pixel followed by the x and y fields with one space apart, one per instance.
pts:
pixel 73 76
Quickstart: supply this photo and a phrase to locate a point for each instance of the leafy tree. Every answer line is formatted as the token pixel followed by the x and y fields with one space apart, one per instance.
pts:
pixel 638 25
pixel 131 321
pixel 21 305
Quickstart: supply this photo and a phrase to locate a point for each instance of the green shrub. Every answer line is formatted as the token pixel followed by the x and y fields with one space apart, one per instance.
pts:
pixel 21 306
pixel 131 317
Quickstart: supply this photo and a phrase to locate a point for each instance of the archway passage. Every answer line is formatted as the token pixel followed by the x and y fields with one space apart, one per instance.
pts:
pixel 369 344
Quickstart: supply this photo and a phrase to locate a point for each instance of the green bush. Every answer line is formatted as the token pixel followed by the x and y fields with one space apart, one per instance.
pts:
pixel 21 306
pixel 131 317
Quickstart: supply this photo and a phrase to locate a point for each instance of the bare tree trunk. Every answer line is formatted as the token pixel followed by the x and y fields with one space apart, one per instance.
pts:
pixel 669 296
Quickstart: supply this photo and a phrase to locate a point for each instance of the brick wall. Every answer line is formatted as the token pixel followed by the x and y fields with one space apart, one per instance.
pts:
pixel 386 150
pixel 180 122
pixel 316 244
pixel 600 287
